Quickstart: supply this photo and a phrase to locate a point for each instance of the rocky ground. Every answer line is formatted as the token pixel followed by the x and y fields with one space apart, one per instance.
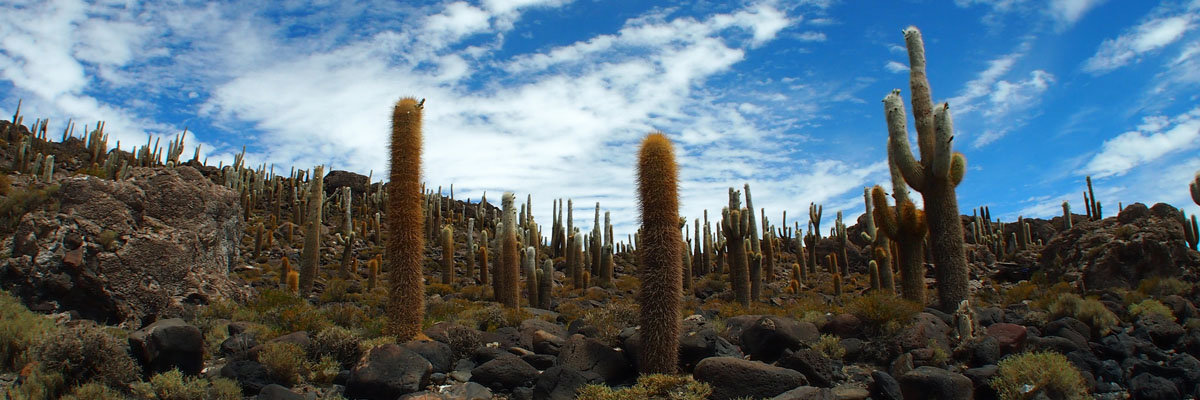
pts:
pixel 181 270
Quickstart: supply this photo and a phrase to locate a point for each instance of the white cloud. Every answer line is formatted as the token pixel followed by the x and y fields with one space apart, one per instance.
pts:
pixel 1148 36
pixel 1151 141
pixel 895 67
pixel 1004 101
pixel 811 36
pixel 1070 11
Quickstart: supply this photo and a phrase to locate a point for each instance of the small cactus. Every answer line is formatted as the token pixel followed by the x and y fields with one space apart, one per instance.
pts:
pixel 293 282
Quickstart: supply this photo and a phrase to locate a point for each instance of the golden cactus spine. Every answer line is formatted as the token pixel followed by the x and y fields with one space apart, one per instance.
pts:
pixel 661 269
pixel 405 248
pixel 311 257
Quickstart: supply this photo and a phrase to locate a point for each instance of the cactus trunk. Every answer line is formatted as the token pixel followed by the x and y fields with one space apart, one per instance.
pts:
pixel 661 243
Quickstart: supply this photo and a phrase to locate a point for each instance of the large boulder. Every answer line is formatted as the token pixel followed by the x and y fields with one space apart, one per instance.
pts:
pixel 129 250
pixel 590 355
pixel 168 344
pixel 765 337
pixel 936 383
pixel 504 373
pixel 337 178
pixel 386 372
pixel 561 383
pixel 733 378
pixel 1119 252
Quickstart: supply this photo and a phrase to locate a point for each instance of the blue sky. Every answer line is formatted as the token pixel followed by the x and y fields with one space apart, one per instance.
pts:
pixel 551 97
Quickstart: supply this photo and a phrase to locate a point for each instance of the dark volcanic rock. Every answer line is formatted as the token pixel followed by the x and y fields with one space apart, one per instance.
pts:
pixel 732 378
pixel 338 178
pixel 250 375
pixel 814 365
pixel 765 337
pixel 175 239
pixel 168 344
pixel 504 373
pixel 386 372
pixel 560 383
pixel 1150 387
pixel 935 383
pixel 590 355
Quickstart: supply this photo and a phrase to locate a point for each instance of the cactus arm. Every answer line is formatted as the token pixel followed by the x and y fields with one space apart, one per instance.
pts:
pixel 1195 189
pixel 958 168
pixel 899 151
pixel 922 100
pixel 944 133
pixel 884 216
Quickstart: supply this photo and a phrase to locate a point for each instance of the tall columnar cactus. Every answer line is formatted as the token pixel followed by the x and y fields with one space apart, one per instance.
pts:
pixel 545 284
pixel 734 223
pixel 755 246
pixel 447 254
pixel 575 260
pixel 508 269
pixel 531 276
pixel 706 259
pixel 597 240
pixel 483 259
pixel 659 248
pixel 405 248
pixel 1089 200
pixel 936 175
pixel 768 256
pixel 839 230
pixel 756 279
pixel 311 257
pixel 814 231
pixel 470 249
pixel 1067 223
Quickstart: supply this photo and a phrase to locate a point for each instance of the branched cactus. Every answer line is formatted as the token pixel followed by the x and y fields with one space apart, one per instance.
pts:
pixel 661 291
pixel 905 225
pixel 736 227
pixel 936 175
pixel 880 246
pixel 311 258
pixel 405 248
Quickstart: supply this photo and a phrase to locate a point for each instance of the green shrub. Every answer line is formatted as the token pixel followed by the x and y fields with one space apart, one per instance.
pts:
pixel 20 332
pixel 655 386
pixel 1090 311
pixel 831 347
pixel 1023 376
pixel 335 291
pixel 882 313
pixel 335 342
pixel 611 318
pixel 1151 306
pixel 94 391
pixel 284 362
pixel 39 384
pixel 346 315
pixel 172 385
pixel 85 352
pixel 1162 287
pixel 324 370
pixel 17 203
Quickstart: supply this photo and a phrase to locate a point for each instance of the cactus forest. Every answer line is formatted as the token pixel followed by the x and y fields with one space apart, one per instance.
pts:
pixel 138 272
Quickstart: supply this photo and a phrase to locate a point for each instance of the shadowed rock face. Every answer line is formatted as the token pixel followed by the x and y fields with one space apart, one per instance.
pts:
pixel 127 251
pixel 1120 251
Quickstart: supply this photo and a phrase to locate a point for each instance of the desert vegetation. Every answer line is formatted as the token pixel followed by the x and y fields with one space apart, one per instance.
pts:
pixel 133 274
